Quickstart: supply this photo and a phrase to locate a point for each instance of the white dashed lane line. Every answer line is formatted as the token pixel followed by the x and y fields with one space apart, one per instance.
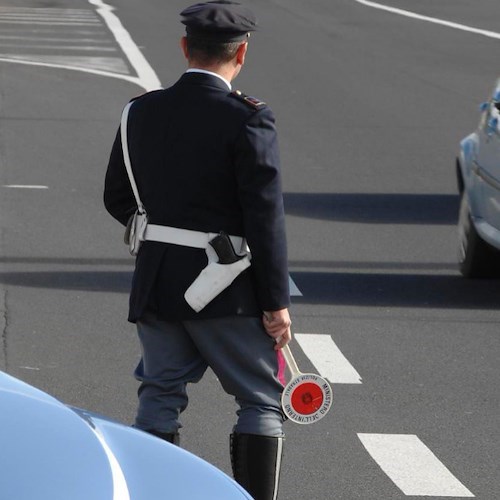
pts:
pixel 412 466
pixel 294 289
pixel 408 462
pixel 327 358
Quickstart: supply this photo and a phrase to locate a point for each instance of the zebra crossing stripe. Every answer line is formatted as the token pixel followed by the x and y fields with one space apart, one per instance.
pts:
pixel 25 186
pixel 294 289
pixel 81 48
pixel 412 466
pixel 15 22
pixel 327 358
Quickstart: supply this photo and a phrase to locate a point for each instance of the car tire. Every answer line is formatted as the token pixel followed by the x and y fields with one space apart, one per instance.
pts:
pixel 476 259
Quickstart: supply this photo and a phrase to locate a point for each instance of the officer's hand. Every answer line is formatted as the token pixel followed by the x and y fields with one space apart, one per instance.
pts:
pixel 277 325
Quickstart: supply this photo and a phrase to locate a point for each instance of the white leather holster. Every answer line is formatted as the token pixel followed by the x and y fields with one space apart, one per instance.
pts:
pixel 212 280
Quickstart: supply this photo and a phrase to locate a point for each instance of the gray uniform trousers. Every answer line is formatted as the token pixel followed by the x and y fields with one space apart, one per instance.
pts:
pixel 237 349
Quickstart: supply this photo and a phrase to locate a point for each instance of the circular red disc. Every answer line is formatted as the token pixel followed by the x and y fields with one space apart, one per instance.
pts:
pixel 307 398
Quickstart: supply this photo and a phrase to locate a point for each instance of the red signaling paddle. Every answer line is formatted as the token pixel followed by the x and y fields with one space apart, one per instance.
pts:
pixel 307 397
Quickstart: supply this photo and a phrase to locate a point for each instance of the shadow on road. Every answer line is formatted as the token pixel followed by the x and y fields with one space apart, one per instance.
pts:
pixel 396 290
pixel 375 208
pixel 335 288
pixel 92 281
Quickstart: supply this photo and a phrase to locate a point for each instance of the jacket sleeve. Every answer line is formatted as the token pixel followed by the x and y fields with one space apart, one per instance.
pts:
pixel 118 195
pixel 260 193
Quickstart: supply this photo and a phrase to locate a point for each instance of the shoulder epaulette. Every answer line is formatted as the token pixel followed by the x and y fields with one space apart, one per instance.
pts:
pixel 249 100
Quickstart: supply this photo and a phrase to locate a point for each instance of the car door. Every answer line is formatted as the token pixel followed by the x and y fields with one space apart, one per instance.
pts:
pixel 487 165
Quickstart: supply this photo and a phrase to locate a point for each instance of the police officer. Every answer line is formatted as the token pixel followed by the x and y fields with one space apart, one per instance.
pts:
pixel 206 160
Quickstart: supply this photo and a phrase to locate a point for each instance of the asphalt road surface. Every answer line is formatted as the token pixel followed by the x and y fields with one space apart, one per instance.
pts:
pixel 371 105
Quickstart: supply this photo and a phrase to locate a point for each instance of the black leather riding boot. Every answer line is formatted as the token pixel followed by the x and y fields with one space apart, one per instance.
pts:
pixel 256 462
pixel 171 437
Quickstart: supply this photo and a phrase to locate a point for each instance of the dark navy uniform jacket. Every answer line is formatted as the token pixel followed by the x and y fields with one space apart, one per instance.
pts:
pixel 204 159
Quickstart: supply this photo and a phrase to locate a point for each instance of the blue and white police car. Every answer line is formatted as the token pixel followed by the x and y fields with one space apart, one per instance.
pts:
pixel 478 174
pixel 49 451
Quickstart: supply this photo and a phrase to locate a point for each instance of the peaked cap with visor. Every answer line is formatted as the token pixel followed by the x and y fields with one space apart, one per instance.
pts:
pixel 219 21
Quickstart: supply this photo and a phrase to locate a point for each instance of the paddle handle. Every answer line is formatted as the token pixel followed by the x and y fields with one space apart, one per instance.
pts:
pixel 290 360
pixel 287 353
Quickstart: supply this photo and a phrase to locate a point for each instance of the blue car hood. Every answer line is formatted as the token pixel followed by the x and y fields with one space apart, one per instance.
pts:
pixel 50 451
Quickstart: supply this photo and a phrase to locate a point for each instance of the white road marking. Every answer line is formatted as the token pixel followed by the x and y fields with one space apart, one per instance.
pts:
pixel 131 79
pixel 412 466
pixel 327 358
pixel 32 20
pixel 25 38
pixel 34 14
pixel 59 47
pixel 104 66
pixel 50 23
pixel 24 186
pixel 146 74
pixel 443 22
pixel 294 289
pixel 51 31
pixel 47 10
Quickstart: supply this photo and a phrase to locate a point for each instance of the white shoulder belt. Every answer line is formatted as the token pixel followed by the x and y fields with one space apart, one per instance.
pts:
pixel 168 234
